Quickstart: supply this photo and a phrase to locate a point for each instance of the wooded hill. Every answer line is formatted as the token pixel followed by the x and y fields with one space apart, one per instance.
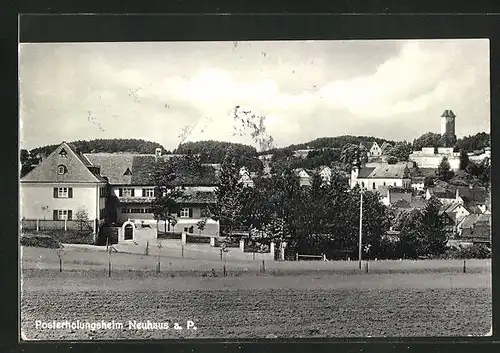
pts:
pixel 105 145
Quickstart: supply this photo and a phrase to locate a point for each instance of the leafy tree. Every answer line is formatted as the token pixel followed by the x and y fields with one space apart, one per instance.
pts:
pixel 82 217
pixel 401 151
pixel 376 220
pixel 351 153
pixel 412 237
pixel 473 143
pixel 201 225
pixel 480 170
pixel 428 139
pixel 433 226
pixel 444 171
pixel 464 160
pixel 228 207
pixel 448 140
pixel 105 145
pixel 428 181
pixel 167 194
pixel 392 160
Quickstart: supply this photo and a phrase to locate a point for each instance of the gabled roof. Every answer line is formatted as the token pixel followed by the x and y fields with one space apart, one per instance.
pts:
pixel 385 171
pixel 385 146
pixel 76 165
pixel 470 221
pixel 142 166
pixel 475 194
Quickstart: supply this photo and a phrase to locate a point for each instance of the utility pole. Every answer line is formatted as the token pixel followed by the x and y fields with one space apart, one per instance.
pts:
pixel 360 227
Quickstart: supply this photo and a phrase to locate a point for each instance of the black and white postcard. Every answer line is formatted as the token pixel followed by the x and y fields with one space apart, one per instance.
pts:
pixel 255 189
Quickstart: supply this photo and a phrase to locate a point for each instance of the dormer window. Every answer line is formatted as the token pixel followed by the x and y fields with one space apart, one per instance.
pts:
pixel 63 153
pixel 127 172
pixel 61 169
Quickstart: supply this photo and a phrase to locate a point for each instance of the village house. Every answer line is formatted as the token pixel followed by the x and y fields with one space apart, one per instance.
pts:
pixel 385 148
pixel 392 194
pixel 325 173
pixel 381 174
pixel 475 228
pixel 474 199
pixel 62 185
pixel 132 189
pixel 374 150
pixel 246 177
pixel 116 188
pixel 302 153
pixel 305 177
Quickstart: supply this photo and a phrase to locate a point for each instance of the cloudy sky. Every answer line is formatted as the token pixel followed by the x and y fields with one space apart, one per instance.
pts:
pixel 389 89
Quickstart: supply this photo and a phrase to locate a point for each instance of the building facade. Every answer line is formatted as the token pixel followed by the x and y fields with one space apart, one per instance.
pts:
pixel 62 185
pixel 380 175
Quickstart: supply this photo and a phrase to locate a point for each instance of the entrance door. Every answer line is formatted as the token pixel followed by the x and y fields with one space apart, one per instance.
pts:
pixel 129 232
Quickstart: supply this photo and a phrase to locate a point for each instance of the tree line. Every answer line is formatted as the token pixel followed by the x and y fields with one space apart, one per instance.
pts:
pixel 322 218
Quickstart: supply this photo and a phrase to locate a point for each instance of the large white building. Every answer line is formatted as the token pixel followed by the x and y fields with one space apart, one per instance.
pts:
pixel 429 157
pixel 376 175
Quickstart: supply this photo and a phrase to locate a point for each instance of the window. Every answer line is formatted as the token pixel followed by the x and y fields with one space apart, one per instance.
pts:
pixel 102 192
pixel 126 192
pixel 373 186
pixel 61 169
pixel 362 184
pixel 63 153
pixel 148 192
pixel 62 192
pixel 62 214
pixel 394 183
pixel 127 172
pixel 185 213
pixel 191 230
pixel 384 183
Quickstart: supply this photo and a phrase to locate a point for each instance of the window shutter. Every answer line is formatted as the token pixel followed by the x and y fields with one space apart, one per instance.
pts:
pixel 70 193
pixel 70 214
pixel 55 193
pixel 132 192
pixel 190 213
pixel 120 192
pixel 54 215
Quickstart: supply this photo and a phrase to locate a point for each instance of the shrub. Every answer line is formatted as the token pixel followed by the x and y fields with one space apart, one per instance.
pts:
pixel 169 235
pixel 476 251
pixel 67 236
pixel 197 239
pixel 40 241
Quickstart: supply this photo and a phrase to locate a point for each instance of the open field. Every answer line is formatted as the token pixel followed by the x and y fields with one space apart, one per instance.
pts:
pixel 196 262
pixel 293 299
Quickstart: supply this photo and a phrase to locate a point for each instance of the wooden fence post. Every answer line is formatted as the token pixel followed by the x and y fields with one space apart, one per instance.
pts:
pixel 37 225
pixel 263 266
pixel 109 262
pixel 65 225
pixel 465 269
pixel 297 256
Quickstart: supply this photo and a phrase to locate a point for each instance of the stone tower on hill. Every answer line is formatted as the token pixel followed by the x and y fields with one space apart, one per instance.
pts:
pixel 448 128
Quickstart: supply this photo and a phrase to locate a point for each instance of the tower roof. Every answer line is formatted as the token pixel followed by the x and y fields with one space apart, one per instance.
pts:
pixel 448 114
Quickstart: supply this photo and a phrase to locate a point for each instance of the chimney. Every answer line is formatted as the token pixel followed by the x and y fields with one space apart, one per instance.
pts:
pixel 158 152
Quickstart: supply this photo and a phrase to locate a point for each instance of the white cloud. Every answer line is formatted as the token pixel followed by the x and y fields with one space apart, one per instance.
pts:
pixel 303 95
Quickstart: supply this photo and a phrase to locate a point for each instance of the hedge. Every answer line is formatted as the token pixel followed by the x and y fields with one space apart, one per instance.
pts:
pixel 66 236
